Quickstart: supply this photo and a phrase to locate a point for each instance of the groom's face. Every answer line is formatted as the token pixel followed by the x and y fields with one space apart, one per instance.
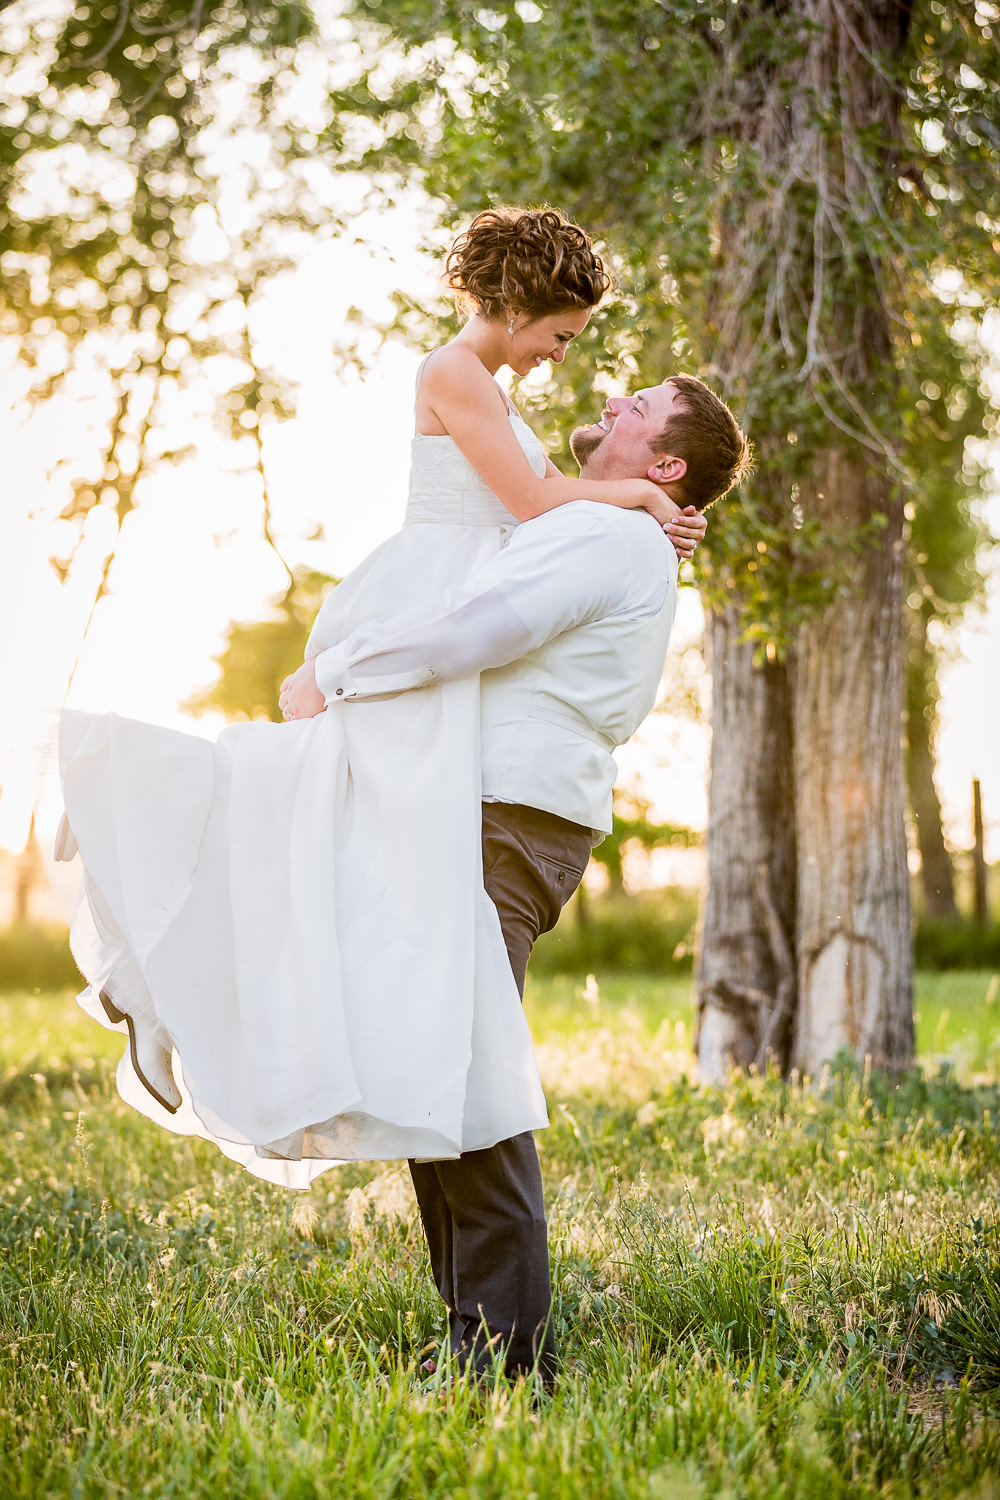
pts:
pixel 617 445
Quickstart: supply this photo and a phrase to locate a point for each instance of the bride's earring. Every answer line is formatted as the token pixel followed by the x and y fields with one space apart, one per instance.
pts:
pixel 510 327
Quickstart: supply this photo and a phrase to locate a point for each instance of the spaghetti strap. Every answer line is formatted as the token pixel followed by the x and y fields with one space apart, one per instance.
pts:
pixel 416 385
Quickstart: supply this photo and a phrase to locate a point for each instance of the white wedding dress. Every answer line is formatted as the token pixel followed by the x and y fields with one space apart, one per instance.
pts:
pixel 298 909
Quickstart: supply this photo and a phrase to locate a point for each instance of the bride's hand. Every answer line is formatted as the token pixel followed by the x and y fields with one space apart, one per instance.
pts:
pixel 686 529
pixel 299 697
pixel 658 503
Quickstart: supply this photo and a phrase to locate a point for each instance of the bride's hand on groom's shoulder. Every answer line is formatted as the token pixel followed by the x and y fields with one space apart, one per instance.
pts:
pixel 298 696
pixel 686 529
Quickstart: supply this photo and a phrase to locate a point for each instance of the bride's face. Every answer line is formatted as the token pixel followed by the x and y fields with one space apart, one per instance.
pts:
pixel 535 340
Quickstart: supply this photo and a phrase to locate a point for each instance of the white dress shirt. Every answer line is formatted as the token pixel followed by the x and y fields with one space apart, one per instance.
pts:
pixel 569 624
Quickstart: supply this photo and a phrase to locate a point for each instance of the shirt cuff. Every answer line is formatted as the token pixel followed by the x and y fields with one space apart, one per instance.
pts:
pixel 333 677
pixel 338 682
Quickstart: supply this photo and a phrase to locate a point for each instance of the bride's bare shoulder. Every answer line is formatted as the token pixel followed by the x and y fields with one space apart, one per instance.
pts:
pixel 455 364
pixel 455 385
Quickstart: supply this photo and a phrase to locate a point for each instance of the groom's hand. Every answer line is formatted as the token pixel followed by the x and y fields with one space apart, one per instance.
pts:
pixel 299 697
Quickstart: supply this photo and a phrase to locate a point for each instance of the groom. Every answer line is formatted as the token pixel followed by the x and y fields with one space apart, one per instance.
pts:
pixel 569 626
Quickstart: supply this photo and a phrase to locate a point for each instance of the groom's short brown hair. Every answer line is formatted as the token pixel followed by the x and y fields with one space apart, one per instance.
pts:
pixel 704 432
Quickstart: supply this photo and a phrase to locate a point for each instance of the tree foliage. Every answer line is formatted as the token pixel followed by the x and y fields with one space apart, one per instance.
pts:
pixel 634 117
pixel 260 653
pixel 159 159
pixel 155 173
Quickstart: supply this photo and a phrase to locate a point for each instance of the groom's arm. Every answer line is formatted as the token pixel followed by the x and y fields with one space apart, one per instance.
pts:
pixel 567 567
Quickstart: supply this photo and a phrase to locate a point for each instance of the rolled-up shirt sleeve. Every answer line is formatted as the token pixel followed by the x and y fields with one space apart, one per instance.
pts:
pixel 557 571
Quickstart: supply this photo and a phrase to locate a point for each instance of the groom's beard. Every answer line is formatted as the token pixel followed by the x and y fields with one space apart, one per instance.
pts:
pixel 584 443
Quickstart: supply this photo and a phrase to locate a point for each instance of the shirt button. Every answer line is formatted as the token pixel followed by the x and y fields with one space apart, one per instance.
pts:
pixel 340 692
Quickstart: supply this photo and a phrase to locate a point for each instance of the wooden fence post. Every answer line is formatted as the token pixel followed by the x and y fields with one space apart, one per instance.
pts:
pixel 979 908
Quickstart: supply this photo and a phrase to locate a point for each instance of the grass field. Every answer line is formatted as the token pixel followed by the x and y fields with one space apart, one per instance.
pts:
pixel 764 1291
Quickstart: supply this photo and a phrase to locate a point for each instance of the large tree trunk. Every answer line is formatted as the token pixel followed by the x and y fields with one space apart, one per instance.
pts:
pixel 853 909
pixel 746 974
pixel 937 876
pixel 823 120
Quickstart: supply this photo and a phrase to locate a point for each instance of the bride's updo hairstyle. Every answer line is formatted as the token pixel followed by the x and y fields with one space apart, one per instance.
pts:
pixel 532 260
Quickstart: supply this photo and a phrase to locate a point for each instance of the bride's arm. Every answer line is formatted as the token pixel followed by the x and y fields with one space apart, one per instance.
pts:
pixel 464 398
pixel 685 530
pixel 552 576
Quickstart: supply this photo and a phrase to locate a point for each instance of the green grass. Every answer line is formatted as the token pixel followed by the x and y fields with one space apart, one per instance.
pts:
pixel 761 1291
pixel 958 1019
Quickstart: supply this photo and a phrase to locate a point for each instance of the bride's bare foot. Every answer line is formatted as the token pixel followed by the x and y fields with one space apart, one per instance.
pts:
pixel 152 1061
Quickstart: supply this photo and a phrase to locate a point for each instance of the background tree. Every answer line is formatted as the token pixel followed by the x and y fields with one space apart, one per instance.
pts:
pixel 783 184
pixel 941 409
pixel 258 654
pixel 633 827
pixel 155 174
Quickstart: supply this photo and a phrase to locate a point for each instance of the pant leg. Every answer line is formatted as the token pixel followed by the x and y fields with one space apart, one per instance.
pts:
pixel 484 1215
pixel 439 1232
pixel 532 864
pixel 484 1222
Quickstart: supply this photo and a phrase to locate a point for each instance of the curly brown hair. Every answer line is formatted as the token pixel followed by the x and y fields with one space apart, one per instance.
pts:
pixel 531 260
pixel 703 431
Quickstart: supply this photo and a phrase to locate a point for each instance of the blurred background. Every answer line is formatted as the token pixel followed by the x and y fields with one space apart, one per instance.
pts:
pixel 221 244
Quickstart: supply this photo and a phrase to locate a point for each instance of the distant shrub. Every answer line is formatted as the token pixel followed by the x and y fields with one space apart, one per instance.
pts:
pixel 647 933
pixel 956 945
pixel 652 932
pixel 655 931
pixel 37 958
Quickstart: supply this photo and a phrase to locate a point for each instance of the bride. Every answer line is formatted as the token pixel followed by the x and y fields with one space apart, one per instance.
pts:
pixel 291 922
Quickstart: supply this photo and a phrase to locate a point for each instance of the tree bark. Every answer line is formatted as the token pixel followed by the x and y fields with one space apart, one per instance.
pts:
pixel 853 902
pixel 743 970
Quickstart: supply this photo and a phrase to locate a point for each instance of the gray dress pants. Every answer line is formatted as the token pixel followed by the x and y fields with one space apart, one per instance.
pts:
pixel 483 1214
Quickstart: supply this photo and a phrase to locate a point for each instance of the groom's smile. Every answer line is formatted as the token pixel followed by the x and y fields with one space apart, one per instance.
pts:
pixel 619 442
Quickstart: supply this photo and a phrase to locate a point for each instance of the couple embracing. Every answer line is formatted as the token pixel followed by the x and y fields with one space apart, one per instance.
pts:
pixel 316 932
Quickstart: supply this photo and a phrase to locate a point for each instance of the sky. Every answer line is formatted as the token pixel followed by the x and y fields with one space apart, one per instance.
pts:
pixel 192 557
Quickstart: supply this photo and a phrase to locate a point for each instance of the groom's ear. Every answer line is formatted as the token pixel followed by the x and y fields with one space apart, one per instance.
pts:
pixel 667 469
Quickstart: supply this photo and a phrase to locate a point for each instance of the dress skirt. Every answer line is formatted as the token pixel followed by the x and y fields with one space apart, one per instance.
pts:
pixel 298 910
